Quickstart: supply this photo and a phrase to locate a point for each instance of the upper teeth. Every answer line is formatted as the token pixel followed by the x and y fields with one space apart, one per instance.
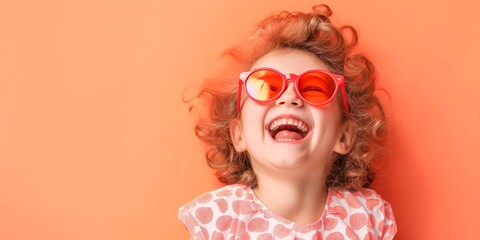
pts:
pixel 288 121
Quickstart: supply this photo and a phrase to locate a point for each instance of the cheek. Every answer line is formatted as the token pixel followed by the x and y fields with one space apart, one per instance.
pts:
pixel 252 111
pixel 253 117
pixel 327 124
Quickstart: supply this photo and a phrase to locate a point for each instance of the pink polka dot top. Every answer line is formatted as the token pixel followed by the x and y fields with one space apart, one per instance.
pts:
pixel 235 212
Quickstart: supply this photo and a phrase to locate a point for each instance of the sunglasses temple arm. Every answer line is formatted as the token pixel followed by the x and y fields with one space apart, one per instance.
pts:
pixel 239 96
pixel 344 97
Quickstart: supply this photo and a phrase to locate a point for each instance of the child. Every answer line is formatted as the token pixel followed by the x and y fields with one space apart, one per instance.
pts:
pixel 293 135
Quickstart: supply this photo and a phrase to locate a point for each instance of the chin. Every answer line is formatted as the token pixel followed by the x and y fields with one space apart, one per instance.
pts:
pixel 287 161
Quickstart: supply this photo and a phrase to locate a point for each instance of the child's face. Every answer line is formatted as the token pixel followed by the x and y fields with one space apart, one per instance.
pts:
pixel 287 151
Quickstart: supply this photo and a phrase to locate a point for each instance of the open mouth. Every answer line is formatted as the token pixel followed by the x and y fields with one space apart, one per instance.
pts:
pixel 288 129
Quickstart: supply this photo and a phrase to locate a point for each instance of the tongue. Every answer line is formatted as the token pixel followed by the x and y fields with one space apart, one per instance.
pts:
pixel 285 134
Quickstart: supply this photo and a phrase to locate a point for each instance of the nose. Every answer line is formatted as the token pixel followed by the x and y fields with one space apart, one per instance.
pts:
pixel 289 97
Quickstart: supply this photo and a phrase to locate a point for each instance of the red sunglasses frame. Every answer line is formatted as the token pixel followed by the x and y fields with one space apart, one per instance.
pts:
pixel 338 79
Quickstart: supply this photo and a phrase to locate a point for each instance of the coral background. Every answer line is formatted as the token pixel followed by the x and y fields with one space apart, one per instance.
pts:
pixel 95 142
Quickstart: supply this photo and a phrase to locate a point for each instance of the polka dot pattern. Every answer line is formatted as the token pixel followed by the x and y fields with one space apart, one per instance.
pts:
pixel 222 204
pixel 241 207
pixel 265 236
pixel 358 221
pixel 204 215
pixel 205 198
pixel 217 236
pixel 234 212
pixel 330 223
pixel 258 225
pixel 335 236
pixel 372 203
pixel 280 231
pixel 223 222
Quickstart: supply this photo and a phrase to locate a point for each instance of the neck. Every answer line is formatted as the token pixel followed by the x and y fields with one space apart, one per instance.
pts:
pixel 300 201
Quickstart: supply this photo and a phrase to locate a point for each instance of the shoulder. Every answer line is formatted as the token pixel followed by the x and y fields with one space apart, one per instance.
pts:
pixel 212 210
pixel 364 209
pixel 216 199
pixel 365 198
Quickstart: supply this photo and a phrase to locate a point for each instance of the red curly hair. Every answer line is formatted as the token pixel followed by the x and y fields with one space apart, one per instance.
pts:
pixel 312 32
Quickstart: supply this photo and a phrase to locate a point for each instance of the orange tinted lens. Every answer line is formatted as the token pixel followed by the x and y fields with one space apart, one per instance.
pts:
pixel 264 85
pixel 316 87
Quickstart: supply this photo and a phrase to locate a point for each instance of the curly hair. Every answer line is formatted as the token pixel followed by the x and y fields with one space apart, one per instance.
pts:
pixel 312 32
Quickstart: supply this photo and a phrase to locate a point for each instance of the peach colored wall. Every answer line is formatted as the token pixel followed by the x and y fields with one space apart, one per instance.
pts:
pixel 95 142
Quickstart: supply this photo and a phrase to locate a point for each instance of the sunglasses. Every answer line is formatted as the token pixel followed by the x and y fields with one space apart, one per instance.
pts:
pixel 315 87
